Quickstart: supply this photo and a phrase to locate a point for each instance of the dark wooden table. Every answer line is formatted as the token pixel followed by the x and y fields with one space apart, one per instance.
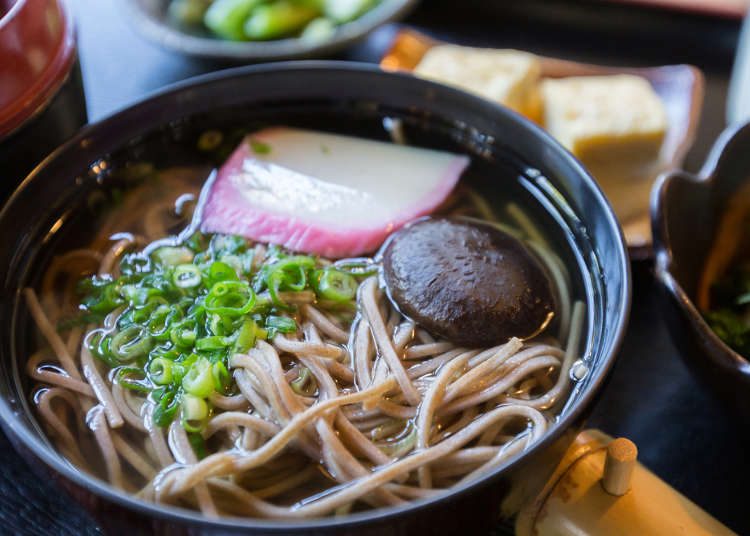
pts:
pixel 683 434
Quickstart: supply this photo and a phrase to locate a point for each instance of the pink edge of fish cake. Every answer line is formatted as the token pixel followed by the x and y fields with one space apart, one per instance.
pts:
pixel 228 212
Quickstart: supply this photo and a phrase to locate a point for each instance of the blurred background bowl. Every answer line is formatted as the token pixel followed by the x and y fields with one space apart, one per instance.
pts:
pixel 152 20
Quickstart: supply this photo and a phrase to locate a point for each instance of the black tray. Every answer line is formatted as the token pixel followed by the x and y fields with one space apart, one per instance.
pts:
pixel 683 435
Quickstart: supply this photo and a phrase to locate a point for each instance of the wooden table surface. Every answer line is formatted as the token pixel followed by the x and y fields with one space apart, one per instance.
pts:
pixel 683 435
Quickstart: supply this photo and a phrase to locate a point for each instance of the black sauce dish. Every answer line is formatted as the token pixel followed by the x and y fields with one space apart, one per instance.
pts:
pixel 48 209
pixel 686 214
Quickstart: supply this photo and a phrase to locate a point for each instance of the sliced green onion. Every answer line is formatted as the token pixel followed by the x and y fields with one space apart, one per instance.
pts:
pixel 387 429
pixel 142 313
pixel 401 446
pixel 234 261
pixel 158 393
pixel 280 324
pixel 220 375
pixel 246 337
pixel 131 343
pixel 274 285
pixel 227 244
pixel 185 310
pixel 187 276
pixel 98 343
pixel 198 380
pixel 215 342
pixel 259 147
pixel 166 408
pixel 172 256
pixel 290 273
pixel 183 336
pixel 221 271
pixel 232 298
pixel 181 367
pixel 196 243
pixel 160 371
pixel 194 413
pixel 161 320
pixel 210 139
pixel 221 325
pixel 295 270
pixel 300 385
pixel 124 378
pixel 137 295
pixel 196 309
pixel 194 408
pixel 199 445
pixel 332 284
pixel 104 298
pixel 189 360
pixel 166 351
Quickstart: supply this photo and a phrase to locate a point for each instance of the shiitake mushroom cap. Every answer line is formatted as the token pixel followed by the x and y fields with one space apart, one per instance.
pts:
pixel 467 281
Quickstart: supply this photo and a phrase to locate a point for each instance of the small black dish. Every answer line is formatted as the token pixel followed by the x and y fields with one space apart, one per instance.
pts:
pixel 686 211
pixel 44 209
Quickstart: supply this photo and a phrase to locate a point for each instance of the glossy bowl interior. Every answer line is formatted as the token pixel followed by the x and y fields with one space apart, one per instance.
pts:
pixel 686 212
pixel 150 17
pixel 44 213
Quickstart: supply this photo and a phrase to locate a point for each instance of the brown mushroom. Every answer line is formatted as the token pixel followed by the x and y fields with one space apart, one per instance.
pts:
pixel 467 281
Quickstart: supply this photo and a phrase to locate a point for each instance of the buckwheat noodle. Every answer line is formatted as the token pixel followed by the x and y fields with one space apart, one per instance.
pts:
pixel 346 413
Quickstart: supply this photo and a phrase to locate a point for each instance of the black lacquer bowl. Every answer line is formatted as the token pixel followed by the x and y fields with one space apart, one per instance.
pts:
pixel 45 211
pixel 686 213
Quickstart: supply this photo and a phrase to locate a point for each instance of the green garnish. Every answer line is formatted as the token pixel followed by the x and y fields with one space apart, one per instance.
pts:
pixel 210 140
pixel 184 311
pixel 335 285
pixel 198 444
pixel 730 316
pixel 167 404
pixel 259 147
pixel 305 383
pixel 132 378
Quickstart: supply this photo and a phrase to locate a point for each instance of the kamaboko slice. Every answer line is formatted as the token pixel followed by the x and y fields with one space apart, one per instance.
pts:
pixel 333 195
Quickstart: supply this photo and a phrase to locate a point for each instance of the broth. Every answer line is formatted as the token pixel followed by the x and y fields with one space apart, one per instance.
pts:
pixel 222 469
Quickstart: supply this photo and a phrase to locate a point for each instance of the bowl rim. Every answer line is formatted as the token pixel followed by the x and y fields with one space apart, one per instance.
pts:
pixel 214 48
pixel 620 310
pixel 733 361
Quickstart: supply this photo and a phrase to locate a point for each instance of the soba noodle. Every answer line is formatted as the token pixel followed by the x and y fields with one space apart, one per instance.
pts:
pixel 350 411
